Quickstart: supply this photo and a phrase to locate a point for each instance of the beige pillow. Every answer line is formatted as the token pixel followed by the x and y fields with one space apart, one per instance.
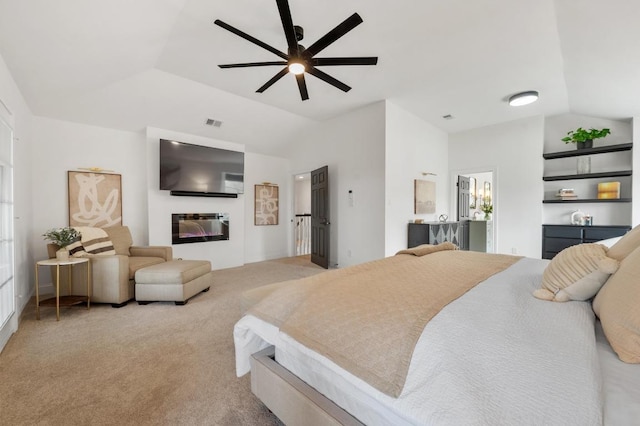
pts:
pixel 618 307
pixel 576 273
pixel 628 243
pixel 121 238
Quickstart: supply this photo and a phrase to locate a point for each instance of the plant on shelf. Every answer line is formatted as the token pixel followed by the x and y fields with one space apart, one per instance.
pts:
pixel 62 237
pixel 584 138
pixel 486 207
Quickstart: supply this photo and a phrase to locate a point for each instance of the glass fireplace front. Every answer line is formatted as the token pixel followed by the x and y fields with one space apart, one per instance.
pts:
pixel 199 227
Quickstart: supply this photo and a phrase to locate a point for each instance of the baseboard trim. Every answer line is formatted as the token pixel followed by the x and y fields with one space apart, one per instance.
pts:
pixel 7 331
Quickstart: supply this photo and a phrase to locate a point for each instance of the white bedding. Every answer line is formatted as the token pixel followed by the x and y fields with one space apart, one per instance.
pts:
pixel 621 385
pixel 495 356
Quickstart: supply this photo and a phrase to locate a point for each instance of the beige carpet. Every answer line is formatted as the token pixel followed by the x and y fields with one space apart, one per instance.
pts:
pixel 158 364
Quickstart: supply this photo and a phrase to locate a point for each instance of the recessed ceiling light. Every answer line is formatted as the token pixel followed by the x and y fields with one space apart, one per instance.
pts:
pixel 523 98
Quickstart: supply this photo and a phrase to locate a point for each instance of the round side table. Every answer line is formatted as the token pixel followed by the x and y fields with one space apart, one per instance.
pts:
pixel 68 299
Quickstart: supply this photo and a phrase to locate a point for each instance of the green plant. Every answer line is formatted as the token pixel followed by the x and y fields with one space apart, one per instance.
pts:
pixel 486 206
pixel 62 237
pixel 581 135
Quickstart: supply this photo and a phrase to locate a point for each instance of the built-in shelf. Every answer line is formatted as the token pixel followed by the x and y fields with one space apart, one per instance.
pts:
pixel 602 175
pixel 589 200
pixel 588 151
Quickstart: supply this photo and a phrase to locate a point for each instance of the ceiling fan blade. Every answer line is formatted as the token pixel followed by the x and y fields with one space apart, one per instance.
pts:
pixel 365 60
pixel 328 79
pixel 287 24
pixel 253 64
pixel 302 85
pixel 275 78
pixel 250 38
pixel 347 25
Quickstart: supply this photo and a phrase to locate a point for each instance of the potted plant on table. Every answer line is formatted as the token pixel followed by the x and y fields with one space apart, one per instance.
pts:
pixel 584 138
pixel 62 237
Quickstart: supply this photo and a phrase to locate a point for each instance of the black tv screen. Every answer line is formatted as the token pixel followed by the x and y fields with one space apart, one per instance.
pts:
pixel 187 168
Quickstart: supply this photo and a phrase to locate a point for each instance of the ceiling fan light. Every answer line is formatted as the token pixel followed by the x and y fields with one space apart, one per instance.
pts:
pixel 296 68
pixel 523 98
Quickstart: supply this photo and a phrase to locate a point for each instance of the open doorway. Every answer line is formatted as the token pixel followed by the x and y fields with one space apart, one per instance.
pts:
pixel 481 208
pixel 302 214
pixel 311 216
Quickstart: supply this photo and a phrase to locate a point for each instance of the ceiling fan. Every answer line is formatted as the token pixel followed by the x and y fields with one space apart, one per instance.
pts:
pixel 299 59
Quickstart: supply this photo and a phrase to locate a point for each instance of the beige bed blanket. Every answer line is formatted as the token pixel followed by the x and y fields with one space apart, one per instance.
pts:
pixel 425 249
pixel 367 318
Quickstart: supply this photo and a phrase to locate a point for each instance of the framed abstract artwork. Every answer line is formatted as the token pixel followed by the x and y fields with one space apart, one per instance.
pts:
pixel 95 199
pixel 266 204
pixel 424 196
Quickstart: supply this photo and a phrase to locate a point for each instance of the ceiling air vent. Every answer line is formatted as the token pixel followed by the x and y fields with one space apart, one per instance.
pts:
pixel 448 117
pixel 212 122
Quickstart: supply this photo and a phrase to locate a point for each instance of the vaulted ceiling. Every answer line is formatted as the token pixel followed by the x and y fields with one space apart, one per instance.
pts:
pixel 128 64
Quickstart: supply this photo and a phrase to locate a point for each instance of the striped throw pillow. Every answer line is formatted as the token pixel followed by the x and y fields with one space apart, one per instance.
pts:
pixel 76 249
pixel 95 241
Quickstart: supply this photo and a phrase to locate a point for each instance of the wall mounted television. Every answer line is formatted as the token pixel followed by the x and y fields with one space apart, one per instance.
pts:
pixel 195 170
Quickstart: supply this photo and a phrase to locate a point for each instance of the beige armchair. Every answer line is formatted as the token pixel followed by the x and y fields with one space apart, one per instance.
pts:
pixel 113 276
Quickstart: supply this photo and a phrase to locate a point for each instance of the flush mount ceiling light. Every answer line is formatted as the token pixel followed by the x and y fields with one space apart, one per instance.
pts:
pixel 296 68
pixel 523 98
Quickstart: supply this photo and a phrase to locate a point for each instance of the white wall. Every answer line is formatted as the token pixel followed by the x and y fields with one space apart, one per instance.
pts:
pixel 272 241
pixel 18 115
pixel 247 242
pixel 412 147
pixel 221 254
pixel 514 151
pixel 352 145
pixel 60 146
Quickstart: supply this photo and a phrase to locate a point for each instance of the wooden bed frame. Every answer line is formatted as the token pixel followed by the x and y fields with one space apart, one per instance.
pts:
pixel 290 398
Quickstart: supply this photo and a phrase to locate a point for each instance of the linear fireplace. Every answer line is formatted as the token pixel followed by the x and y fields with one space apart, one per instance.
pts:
pixel 199 227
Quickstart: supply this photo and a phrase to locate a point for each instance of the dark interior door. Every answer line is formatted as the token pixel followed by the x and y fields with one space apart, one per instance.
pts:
pixel 464 193
pixel 320 217
pixel 463 198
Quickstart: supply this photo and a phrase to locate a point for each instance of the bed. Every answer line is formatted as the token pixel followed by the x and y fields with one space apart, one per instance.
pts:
pixel 493 354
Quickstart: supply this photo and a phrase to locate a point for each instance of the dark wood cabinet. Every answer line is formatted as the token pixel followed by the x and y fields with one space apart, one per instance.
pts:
pixel 556 238
pixel 438 232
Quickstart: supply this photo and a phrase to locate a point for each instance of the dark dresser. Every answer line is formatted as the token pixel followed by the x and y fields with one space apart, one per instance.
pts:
pixel 556 238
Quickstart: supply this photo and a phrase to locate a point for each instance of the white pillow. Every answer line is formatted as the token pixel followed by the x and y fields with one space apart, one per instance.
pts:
pixel 609 241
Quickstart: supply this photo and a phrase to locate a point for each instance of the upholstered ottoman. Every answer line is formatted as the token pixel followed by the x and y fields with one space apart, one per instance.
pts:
pixel 174 281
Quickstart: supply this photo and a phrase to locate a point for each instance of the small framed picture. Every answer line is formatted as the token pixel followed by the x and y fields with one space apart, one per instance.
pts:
pixel 424 197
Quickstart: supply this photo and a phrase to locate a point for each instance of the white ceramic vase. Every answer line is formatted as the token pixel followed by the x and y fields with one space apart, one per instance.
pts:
pixel 62 254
